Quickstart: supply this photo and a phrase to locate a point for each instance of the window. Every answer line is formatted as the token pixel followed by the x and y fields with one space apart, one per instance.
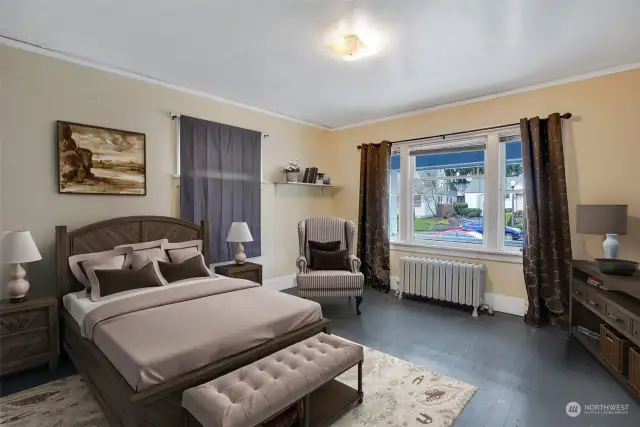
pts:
pixel 450 182
pixel 465 192
pixel 394 197
pixel 512 190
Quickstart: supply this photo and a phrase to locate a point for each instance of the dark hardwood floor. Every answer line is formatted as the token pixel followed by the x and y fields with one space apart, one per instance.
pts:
pixel 525 376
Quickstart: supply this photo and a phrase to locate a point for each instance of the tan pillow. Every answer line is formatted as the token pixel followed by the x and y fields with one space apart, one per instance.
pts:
pixel 145 252
pixel 107 280
pixel 117 258
pixel 178 252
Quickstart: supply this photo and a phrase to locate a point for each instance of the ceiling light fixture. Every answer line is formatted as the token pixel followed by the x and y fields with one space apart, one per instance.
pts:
pixel 349 48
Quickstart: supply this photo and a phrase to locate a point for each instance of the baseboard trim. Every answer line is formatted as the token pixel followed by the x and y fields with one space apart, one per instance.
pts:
pixel 280 283
pixel 506 304
pixel 501 303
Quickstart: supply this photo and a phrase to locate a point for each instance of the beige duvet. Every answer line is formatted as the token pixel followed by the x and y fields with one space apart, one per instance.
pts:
pixel 154 337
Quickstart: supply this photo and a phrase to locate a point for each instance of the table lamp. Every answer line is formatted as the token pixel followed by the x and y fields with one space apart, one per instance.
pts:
pixel 610 220
pixel 18 247
pixel 239 232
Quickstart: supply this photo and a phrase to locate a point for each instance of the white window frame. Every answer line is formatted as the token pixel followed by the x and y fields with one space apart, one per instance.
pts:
pixel 504 191
pixel 493 246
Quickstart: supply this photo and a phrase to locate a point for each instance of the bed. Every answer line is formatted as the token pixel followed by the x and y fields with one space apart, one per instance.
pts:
pixel 149 395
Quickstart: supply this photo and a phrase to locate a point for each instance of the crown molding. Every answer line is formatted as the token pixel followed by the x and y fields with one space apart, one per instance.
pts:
pixel 572 79
pixel 8 41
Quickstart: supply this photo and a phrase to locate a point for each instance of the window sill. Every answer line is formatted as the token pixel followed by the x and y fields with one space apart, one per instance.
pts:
pixel 462 252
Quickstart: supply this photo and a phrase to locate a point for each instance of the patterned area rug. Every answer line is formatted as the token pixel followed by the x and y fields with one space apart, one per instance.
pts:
pixel 396 394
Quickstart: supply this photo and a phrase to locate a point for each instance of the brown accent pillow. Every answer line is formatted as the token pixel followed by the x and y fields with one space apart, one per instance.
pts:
pixel 334 260
pixel 187 269
pixel 112 281
pixel 321 246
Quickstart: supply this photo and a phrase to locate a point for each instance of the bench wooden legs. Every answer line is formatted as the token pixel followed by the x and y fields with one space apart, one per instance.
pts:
pixel 360 393
pixel 358 302
pixel 307 411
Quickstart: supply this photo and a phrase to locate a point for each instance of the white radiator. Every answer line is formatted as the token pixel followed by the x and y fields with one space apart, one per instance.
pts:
pixel 451 281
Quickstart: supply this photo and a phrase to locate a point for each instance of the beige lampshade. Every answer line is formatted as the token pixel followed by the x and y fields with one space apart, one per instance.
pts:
pixel 601 219
pixel 19 247
pixel 239 232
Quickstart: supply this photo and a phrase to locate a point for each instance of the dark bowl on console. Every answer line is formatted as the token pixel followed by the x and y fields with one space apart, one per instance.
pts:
pixel 617 267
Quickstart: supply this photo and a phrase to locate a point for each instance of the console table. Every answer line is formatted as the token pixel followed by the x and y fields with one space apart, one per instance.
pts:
pixel 618 307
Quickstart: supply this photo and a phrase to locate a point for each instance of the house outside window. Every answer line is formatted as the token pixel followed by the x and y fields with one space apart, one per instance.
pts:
pixel 462 193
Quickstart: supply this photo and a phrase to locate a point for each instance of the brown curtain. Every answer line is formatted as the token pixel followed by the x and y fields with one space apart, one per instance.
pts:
pixel 547 242
pixel 373 218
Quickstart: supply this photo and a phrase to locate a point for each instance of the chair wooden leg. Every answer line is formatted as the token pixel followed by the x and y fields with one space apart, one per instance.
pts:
pixel 358 302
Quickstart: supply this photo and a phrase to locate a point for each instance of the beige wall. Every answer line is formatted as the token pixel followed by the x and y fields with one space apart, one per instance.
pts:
pixel 601 147
pixel 602 152
pixel 36 90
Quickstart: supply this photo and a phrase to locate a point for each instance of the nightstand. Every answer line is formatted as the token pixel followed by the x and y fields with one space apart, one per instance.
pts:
pixel 28 334
pixel 248 270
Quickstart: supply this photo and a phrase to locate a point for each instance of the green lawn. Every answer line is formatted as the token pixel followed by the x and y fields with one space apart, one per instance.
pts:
pixel 427 224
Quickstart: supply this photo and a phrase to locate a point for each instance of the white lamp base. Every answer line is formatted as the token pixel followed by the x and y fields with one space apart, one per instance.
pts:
pixel 18 287
pixel 610 246
pixel 240 257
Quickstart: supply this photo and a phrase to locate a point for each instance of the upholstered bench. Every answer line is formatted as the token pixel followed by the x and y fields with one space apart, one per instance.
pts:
pixel 257 393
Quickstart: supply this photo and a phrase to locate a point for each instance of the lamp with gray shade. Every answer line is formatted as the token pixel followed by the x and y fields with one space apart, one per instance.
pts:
pixel 239 232
pixel 610 220
pixel 18 247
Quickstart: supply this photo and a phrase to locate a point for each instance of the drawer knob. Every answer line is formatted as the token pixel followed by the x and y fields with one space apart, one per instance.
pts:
pixel 616 319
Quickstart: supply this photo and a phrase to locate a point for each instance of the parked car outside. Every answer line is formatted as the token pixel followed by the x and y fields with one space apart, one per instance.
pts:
pixel 460 235
pixel 510 233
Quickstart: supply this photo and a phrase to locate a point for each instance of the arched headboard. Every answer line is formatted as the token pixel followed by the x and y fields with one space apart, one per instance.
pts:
pixel 105 235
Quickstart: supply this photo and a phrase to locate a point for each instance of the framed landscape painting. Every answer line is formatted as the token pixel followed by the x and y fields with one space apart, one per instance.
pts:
pixel 97 160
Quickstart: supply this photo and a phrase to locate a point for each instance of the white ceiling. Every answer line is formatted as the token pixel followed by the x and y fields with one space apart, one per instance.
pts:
pixel 271 54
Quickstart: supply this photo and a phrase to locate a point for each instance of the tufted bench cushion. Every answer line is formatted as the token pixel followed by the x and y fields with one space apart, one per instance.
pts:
pixel 256 392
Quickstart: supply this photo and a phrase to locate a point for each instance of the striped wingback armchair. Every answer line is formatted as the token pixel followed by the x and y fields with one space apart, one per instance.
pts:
pixel 328 283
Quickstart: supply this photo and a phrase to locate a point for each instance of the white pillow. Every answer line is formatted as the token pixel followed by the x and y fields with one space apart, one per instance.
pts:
pixel 118 258
pixel 145 252
pixel 178 252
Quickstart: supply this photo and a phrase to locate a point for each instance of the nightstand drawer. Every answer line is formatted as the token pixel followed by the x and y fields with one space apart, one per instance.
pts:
pixel 24 345
pixel 249 275
pixel 248 271
pixel 23 320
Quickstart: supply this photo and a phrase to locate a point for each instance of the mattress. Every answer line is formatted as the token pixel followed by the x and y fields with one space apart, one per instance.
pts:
pixel 154 336
pixel 78 304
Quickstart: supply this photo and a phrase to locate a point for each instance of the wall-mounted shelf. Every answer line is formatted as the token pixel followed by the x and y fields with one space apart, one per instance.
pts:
pixel 308 184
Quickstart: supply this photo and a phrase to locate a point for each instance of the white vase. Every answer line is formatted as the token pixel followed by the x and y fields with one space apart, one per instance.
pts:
pixel 292 176
pixel 610 246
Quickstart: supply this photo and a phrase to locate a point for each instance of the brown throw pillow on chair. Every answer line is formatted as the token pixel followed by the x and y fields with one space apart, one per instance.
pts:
pixel 334 260
pixel 321 246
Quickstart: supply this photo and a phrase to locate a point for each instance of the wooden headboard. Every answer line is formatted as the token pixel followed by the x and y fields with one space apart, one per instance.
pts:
pixel 105 235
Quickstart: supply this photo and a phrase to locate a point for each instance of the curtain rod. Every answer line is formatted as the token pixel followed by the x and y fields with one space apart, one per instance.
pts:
pixel 444 135
pixel 177 116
